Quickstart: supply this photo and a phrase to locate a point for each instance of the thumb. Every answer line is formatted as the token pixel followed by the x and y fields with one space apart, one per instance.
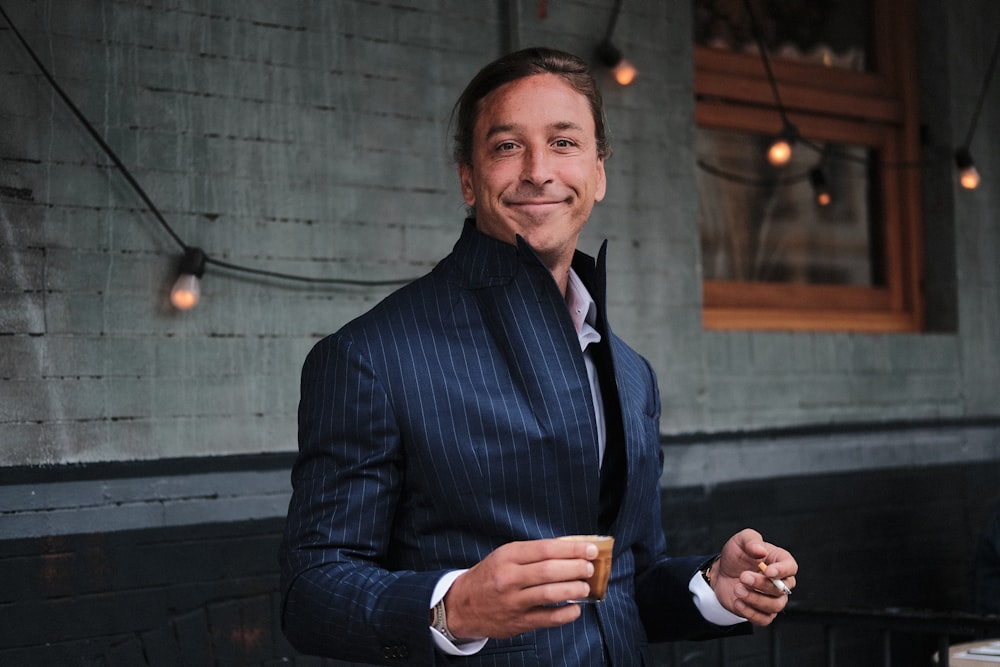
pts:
pixel 752 544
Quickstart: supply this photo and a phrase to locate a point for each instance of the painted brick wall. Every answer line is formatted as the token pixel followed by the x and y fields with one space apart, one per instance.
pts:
pixel 167 597
pixel 304 138
pixel 311 138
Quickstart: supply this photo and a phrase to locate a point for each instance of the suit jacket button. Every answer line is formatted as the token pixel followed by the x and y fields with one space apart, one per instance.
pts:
pixel 394 651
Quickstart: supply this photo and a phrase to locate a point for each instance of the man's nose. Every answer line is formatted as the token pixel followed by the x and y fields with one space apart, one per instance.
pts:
pixel 537 166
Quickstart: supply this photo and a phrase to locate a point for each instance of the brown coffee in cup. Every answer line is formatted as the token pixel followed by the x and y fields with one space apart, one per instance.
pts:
pixel 602 565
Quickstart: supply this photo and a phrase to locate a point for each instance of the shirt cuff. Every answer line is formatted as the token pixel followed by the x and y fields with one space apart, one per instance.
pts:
pixel 708 604
pixel 470 647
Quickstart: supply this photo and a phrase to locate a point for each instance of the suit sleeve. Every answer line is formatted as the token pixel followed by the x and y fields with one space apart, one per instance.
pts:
pixel 339 600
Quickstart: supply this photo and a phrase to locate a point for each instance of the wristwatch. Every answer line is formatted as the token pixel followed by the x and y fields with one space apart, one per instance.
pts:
pixel 439 621
pixel 706 572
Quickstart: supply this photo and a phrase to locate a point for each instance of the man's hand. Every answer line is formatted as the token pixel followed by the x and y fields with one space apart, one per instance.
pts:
pixel 742 588
pixel 519 587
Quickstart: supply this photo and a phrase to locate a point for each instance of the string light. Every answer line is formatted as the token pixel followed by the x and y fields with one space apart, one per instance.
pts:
pixel 611 56
pixel 624 71
pixel 194 292
pixel 186 292
pixel 818 180
pixel 779 153
pixel 968 175
pixel 621 68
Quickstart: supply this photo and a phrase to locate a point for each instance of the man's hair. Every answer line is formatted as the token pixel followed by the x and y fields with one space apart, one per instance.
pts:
pixel 518 65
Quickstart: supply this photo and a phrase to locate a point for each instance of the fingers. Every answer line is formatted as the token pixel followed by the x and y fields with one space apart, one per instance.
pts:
pixel 757 599
pixel 779 563
pixel 545 583
pixel 521 586
pixel 748 548
pixel 548 549
pixel 543 565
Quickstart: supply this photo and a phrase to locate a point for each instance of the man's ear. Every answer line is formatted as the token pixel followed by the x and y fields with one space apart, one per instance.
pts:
pixel 602 181
pixel 465 178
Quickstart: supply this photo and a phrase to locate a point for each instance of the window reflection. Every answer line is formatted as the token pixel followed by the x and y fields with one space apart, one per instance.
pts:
pixel 834 33
pixel 761 224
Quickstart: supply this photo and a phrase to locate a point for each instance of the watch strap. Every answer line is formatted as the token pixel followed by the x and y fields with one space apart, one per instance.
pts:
pixel 439 621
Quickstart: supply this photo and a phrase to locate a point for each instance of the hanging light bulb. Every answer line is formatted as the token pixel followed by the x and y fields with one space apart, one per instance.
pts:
pixel 821 192
pixel 624 72
pixel 968 176
pixel 780 151
pixel 186 291
pixel 621 68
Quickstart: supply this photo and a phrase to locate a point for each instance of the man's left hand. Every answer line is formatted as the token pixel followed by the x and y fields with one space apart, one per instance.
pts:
pixel 742 587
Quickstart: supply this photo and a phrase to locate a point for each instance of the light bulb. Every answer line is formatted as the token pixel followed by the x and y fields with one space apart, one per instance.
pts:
pixel 621 68
pixel 821 192
pixel 624 72
pixel 780 151
pixel 186 291
pixel 969 178
pixel 968 175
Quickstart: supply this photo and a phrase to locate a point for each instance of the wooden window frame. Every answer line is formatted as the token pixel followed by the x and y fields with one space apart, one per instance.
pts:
pixel 876 109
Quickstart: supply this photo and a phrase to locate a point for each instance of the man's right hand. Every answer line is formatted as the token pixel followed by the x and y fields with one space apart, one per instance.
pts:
pixel 520 587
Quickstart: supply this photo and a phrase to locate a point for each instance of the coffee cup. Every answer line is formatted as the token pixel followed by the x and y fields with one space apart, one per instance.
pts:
pixel 602 565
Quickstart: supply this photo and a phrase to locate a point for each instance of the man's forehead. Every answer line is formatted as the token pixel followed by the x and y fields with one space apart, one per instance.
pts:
pixel 540 99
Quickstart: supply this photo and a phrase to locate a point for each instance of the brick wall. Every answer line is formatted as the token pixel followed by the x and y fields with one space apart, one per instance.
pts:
pixel 207 594
pixel 312 139
pixel 307 138
pixel 194 596
pixel 900 539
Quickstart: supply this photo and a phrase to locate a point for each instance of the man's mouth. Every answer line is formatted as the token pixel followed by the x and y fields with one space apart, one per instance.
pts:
pixel 529 203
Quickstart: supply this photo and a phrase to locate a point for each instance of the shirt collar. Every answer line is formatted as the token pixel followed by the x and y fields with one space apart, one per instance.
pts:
pixel 582 310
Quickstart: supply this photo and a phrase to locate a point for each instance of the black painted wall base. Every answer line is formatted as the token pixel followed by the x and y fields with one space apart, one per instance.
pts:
pixel 208 594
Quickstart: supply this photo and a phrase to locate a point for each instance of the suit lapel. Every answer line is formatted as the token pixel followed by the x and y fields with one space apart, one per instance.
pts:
pixel 529 323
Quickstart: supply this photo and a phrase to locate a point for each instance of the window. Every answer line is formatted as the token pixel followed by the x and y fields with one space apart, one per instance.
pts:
pixel 772 256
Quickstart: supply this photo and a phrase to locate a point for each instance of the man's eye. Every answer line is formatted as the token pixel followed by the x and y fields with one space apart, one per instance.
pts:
pixel 506 146
pixel 563 143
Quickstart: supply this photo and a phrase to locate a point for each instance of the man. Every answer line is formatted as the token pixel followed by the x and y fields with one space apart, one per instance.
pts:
pixel 449 434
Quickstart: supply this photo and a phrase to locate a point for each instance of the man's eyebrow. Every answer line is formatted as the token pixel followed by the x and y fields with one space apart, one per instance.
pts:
pixel 500 129
pixel 511 127
pixel 567 125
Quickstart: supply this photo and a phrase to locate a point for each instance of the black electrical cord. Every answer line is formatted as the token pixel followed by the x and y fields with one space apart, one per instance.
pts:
pixel 613 20
pixel 95 135
pixel 762 48
pixel 982 93
pixel 749 180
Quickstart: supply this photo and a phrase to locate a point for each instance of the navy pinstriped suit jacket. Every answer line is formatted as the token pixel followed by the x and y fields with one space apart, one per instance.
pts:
pixel 452 418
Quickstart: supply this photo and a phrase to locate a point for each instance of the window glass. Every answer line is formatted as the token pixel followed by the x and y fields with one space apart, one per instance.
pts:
pixel 759 223
pixel 835 33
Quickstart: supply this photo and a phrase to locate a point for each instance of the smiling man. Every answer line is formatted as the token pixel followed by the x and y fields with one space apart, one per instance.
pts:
pixel 536 170
pixel 448 436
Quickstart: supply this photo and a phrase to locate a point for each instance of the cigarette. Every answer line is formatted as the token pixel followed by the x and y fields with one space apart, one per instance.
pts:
pixel 778 583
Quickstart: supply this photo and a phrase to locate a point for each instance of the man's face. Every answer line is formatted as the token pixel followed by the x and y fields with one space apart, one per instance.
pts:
pixel 535 169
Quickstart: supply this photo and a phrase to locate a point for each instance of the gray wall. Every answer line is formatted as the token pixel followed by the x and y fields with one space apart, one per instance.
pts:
pixel 311 137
